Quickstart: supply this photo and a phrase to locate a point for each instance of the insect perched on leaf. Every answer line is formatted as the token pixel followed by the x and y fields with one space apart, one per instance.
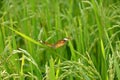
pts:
pixel 57 44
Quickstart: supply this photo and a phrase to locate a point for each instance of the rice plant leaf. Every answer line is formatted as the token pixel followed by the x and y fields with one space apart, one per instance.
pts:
pixel 26 37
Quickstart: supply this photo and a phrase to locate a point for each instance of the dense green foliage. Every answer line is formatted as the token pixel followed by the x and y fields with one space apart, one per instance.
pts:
pixel 92 53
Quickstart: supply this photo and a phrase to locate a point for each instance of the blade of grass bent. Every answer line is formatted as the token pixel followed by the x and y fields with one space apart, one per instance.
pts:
pixel 26 37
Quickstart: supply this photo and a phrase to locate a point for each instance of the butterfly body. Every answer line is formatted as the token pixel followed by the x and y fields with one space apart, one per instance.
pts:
pixel 58 44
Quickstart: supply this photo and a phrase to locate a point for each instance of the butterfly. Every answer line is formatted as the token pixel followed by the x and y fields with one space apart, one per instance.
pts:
pixel 58 44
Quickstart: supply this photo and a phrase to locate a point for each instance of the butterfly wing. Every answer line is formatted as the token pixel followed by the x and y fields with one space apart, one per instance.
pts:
pixel 57 44
pixel 50 45
pixel 60 43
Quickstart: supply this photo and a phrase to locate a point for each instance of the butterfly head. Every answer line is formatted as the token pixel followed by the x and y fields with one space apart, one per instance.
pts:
pixel 66 39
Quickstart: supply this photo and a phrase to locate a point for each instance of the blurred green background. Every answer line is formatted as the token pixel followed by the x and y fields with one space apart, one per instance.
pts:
pixel 92 53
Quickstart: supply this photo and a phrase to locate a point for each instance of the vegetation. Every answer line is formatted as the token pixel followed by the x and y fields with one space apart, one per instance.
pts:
pixel 91 53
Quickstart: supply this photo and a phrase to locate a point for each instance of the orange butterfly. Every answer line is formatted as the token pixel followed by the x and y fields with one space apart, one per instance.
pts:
pixel 57 44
